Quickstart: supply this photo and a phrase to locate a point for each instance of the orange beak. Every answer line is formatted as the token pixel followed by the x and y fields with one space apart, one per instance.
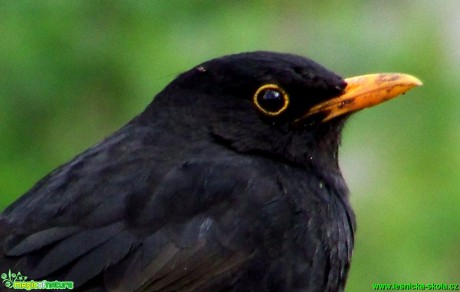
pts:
pixel 364 91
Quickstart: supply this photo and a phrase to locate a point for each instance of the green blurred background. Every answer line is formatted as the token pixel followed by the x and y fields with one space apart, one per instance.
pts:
pixel 72 72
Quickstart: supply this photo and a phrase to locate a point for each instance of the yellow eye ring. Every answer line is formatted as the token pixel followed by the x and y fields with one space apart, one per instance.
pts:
pixel 271 100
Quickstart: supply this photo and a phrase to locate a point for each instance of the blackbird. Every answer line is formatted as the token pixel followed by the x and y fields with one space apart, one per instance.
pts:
pixel 228 181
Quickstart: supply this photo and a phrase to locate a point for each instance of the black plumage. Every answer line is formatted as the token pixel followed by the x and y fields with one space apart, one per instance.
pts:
pixel 210 188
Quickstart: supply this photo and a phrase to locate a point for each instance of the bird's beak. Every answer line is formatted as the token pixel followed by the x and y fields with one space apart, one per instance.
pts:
pixel 364 91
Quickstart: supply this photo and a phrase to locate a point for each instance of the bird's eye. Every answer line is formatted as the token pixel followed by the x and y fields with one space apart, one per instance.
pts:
pixel 271 100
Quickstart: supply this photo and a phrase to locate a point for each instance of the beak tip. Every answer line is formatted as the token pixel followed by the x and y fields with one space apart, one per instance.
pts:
pixel 417 82
pixel 409 79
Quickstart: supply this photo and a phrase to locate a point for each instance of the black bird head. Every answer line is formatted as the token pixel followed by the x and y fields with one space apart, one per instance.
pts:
pixel 281 105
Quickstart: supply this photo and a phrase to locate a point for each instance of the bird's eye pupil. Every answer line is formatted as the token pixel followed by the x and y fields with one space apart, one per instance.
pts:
pixel 271 100
pixel 271 94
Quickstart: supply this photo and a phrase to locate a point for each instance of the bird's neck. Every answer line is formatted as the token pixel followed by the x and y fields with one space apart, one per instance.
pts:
pixel 315 148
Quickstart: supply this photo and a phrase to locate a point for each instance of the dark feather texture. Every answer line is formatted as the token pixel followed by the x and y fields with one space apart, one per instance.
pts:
pixel 199 192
